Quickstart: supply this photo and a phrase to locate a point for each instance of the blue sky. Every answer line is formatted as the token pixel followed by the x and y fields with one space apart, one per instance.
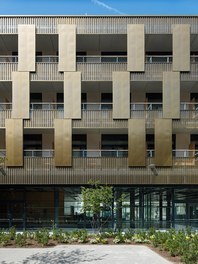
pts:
pixel 98 7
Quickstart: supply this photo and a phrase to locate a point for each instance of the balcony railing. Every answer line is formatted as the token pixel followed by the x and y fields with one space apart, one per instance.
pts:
pixel 97 59
pixel 158 59
pixel 99 115
pixel 8 59
pixel 47 59
pixel 101 59
pixel 12 59
pixel 46 106
pixel 108 168
pixel 123 59
pixel 98 153
pixel 150 106
pixel 5 106
pixel 47 70
pixel 96 106
pixel 38 153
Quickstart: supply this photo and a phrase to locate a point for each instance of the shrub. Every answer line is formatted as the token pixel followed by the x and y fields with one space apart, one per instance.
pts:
pixel 20 239
pixel 42 236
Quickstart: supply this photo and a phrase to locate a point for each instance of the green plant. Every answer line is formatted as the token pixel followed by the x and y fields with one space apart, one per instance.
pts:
pixel 4 238
pixel 42 236
pixel 97 198
pixel 12 233
pixel 20 239
pixel 119 238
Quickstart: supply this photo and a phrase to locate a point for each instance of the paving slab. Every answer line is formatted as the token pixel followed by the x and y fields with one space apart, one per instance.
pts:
pixel 82 254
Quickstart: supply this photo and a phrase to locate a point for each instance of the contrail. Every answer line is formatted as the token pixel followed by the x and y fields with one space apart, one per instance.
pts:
pixel 107 6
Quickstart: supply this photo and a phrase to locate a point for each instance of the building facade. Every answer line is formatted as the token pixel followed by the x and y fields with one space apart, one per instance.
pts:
pixel 108 98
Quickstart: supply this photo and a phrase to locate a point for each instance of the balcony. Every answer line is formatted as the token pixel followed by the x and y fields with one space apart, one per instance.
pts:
pixel 100 115
pixel 97 68
pixel 151 111
pixel 107 166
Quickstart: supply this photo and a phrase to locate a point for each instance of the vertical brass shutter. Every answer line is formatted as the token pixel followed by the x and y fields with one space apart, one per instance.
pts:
pixel 135 47
pixel 136 142
pixel 20 95
pixel 72 95
pixel 26 47
pixel 181 47
pixel 171 95
pixel 63 142
pixel 121 95
pixel 14 142
pixel 163 142
pixel 67 47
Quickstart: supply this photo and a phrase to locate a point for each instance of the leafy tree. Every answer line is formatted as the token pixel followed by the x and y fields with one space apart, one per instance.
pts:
pixel 96 199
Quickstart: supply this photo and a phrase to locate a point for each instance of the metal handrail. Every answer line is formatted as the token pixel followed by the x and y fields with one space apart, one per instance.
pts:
pixel 158 106
pixel 101 59
pixel 97 106
pixel 97 59
pixel 38 153
pixel 145 106
pixel 46 106
pixel 5 106
pixel 47 58
pixel 8 58
pixel 159 58
pixel 177 153
pixel 102 106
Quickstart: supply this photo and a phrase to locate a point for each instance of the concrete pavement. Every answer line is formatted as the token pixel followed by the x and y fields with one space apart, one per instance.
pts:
pixel 82 254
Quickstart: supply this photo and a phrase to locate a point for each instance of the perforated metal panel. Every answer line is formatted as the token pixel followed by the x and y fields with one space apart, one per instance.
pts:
pixel 181 47
pixel 72 95
pixel 135 48
pixel 14 142
pixel 171 95
pixel 20 95
pixel 67 47
pixel 163 142
pixel 63 142
pixel 136 142
pixel 121 95
pixel 26 48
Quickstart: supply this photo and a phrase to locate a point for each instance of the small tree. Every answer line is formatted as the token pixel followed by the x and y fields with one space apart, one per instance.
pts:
pixel 97 198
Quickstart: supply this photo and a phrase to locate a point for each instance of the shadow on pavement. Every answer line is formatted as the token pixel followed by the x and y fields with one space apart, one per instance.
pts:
pixel 61 257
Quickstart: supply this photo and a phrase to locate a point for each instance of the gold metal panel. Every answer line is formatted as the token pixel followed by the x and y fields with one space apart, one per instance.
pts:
pixel 135 47
pixel 63 142
pixel 137 142
pixel 67 47
pixel 121 95
pixel 26 47
pixel 181 47
pixel 163 142
pixel 14 142
pixel 20 95
pixel 72 95
pixel 171 95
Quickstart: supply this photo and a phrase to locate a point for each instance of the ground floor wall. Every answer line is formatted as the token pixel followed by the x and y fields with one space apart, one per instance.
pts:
pixel 28 207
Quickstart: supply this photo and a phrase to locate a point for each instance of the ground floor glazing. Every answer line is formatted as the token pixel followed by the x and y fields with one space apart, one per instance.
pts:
pixel 27 207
